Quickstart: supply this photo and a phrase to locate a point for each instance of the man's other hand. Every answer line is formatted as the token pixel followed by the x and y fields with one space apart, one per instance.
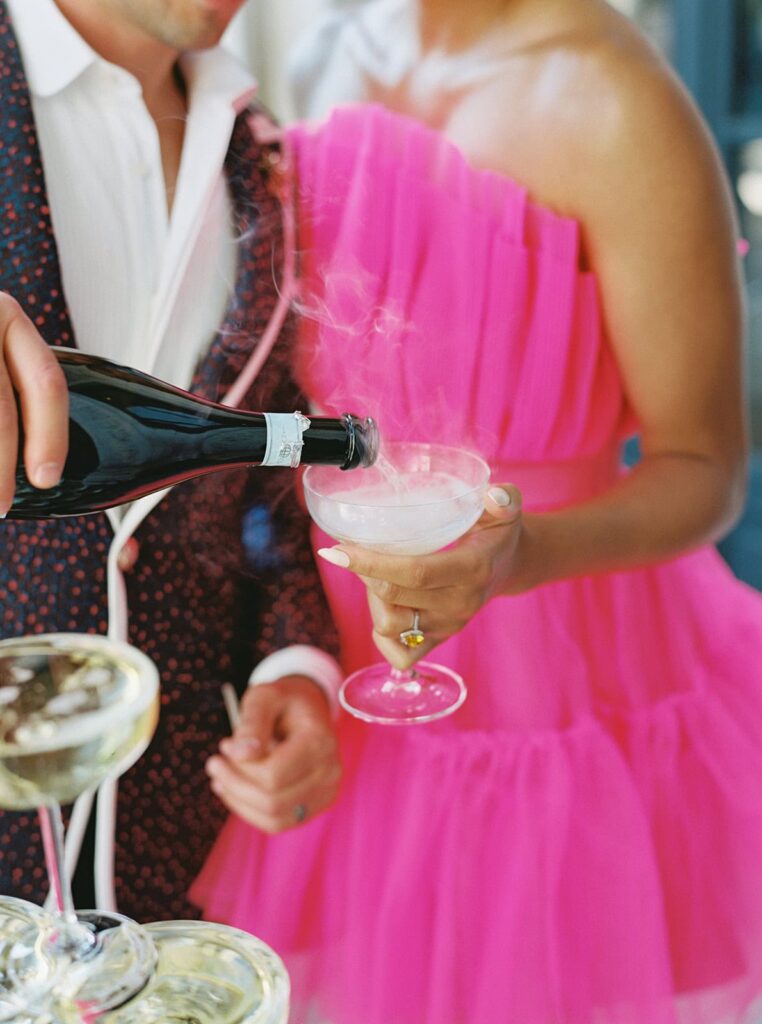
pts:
pixel 281 766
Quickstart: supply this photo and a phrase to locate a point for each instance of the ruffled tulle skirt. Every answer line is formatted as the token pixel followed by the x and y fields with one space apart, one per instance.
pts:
pixel 597 862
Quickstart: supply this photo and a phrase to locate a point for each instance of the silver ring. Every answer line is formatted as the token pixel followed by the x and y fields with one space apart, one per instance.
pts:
pixel 300 813
pixel 414 636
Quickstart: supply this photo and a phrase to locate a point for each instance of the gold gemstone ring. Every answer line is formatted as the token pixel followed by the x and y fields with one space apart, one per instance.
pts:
pixel 414 636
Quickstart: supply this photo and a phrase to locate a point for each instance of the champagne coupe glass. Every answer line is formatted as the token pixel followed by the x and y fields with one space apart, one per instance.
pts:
pixel 21 924
pixel 416 499
pixel 74 709
pixel 207 974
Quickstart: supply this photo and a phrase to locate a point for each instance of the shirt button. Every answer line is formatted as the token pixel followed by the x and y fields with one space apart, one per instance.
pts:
pixel 128 556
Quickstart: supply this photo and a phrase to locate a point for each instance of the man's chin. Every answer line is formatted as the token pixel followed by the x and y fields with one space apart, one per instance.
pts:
pixel 194 37
pixel 182 24
pixel 222 11
pixel 223 6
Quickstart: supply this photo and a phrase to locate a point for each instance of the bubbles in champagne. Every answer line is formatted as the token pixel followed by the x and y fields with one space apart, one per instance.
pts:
pixel 209 974
pixel 51 687
pixel 69 715
pixel 412 513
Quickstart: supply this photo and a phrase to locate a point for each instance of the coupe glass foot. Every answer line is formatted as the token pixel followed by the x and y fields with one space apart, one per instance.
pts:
pixel 26 974
pixel 386 696
pixel 122 961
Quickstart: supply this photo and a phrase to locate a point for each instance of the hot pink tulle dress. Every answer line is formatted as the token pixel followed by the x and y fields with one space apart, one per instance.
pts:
pixel 582 842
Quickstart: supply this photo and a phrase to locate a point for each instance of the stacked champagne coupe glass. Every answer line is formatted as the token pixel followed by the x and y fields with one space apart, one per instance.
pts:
pixel 74 710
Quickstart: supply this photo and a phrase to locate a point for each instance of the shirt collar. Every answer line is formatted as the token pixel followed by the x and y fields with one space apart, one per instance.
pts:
pixel 53 52
pixel 215 75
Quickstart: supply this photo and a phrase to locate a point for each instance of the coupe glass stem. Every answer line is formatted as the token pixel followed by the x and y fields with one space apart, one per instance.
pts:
pixel 71 938
pixel 402 679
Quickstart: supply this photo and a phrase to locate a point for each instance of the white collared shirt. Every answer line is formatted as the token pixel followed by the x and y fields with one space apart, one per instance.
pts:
pixel 142 288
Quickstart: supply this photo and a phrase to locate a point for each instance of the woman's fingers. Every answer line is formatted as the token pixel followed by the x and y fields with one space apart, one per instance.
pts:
pixel 447 588
pixel 416 580
pixel 404 575
pixel 398 655
pixel 390 622
pixel 409 572
pixel 503 502
pixel 436 623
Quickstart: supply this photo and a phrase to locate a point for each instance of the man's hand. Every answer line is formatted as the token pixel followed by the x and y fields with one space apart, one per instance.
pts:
pixel 281 766
pixel 446 588
pixel 29 370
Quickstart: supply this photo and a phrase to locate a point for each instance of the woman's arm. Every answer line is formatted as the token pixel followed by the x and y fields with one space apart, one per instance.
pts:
pixel 660 234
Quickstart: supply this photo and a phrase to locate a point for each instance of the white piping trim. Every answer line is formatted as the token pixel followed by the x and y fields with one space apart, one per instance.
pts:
pixel 118 621
pixel 105 836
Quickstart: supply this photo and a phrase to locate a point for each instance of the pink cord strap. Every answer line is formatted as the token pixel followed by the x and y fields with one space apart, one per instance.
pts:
pixel 268 133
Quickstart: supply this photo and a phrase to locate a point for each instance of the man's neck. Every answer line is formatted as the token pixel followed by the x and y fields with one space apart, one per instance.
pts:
pixel 152 63
pixel 121 42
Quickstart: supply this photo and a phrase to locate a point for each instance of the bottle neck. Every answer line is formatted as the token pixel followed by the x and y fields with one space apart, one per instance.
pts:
pixel 273 439
pixel 233 438
pixel 331 442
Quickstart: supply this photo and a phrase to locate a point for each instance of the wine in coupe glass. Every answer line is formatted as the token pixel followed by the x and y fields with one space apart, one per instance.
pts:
pixel 417 498
pixel 75 709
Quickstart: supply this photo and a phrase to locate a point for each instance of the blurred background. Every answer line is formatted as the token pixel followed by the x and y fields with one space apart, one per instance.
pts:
pixel 716 48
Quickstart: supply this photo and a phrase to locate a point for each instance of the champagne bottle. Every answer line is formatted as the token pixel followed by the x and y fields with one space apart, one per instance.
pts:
pixel 130 434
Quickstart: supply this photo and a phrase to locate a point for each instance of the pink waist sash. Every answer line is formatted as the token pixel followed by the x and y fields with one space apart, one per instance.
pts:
pixel 552 484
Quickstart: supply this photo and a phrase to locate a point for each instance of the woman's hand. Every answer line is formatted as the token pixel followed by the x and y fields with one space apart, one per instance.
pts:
pixel 281 766
pixel 446 588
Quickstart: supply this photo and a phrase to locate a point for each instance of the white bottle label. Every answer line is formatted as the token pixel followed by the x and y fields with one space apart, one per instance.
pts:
pixel 284 438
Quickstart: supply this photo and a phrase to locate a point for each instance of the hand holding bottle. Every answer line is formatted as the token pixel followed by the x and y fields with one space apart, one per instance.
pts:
pixel 29 373
pixel 131 434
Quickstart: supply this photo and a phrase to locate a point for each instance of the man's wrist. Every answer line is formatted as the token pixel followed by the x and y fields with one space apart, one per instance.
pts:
pixel 302 660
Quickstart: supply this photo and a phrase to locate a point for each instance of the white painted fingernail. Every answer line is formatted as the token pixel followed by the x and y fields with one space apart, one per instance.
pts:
pixel 335 556
pixel 499 496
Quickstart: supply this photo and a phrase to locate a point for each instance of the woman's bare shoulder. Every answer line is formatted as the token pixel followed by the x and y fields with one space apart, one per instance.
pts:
pixel 582 112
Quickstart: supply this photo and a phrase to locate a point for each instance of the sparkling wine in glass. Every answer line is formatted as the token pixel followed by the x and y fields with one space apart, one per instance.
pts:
pixel 74 709
pixel 21 925
pixel 207 974
pixel 417 498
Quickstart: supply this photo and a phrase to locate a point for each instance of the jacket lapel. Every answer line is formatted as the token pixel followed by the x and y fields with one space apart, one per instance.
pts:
pixel 29 268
